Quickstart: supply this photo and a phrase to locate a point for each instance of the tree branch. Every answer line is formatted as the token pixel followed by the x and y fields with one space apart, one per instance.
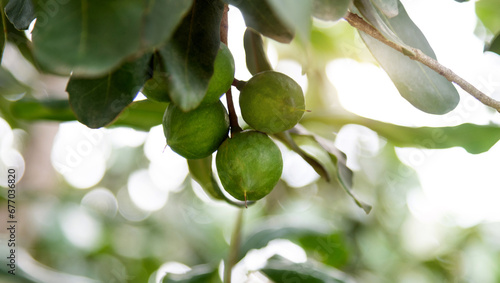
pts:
pixel 417 55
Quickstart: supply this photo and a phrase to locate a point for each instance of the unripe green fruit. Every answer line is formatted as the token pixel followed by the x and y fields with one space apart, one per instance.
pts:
pixel 197 133
pixel 249 165
pixel 223 75
pixel 156 88
pixel 272 102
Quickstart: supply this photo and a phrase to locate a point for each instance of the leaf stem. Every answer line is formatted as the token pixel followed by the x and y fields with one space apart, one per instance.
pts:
pixel 417 55
pixel 233 248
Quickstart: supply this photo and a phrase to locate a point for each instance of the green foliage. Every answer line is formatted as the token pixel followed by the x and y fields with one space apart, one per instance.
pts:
pixel 172 51
pixel 255 54
pixel 189 56
pixel 260 15
pixel 98 101
pixel 20 13
pixel 421 86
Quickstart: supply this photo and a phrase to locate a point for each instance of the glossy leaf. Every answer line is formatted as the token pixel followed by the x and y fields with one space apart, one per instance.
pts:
pixel 331 249
pixel 98 101
pixel 199 274
pixel 20 13
pixel 278 228
pixel 296 15
pixel 256 57
pixel 189 56
pixel 261 16
pixel 91 37
pixel 388 7
pixel 140 115
pixel 495 45
pixel 473 138
pixel 332 159
pixel 421 86
pixel 330 10
pixel 280 269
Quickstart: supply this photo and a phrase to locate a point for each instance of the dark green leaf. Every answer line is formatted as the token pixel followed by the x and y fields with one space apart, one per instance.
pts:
pixel 330 10
pixel 140 115
pixel 388 7
pixel 20 13
pixel 296 15
pixel 98 101
pixel 255 54
pixel 199 274
pixel 280 269
pixel 278 228
pixel 91 37
pixel 495 45
pixel 160 19
pixel 261 16
pixel 10 87
pixel 189 56
pixel 332 159
pixel 473 138
pixel 421 86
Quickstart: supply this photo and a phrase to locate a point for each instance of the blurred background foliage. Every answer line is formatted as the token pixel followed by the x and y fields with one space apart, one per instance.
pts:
pixel 114 205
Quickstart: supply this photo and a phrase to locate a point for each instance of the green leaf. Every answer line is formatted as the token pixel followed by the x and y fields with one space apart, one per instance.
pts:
pixel 421 86
pixel 201 172
pixel 10 87
pixel 495 45
pixel 160 19
pixel 261 16
pixel 388 7
pixel 488 11
pixel 280 269
pixel 91 37
pixel 473 138
pixel 20 13
pixel 255 54
pixel 199 274
pixel 331 249
pixel 287 139
pixel 140 115
pixel 189 56
pixel 332 159
pixel 278 228
pixel 98 101
pixel 296 15
pixel 330 10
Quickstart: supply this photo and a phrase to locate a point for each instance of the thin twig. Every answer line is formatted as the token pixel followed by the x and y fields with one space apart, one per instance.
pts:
pixel 417 55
